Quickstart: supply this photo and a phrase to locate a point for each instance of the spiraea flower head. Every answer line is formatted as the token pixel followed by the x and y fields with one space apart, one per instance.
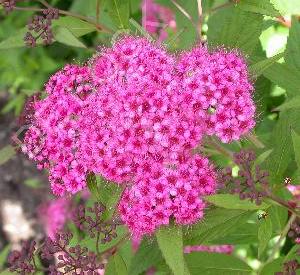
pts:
pixel 216 87
pixel 165 193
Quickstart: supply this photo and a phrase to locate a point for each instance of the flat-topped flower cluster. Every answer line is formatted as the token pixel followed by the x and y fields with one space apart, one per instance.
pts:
pixel 133 114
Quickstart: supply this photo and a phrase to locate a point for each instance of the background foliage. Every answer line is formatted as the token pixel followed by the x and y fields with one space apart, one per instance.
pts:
pixel 271 44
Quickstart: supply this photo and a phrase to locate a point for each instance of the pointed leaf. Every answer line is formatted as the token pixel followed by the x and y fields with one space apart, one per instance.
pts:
pixel 290 104
pixel 116 266
pixel 293 44
pixel 65 36
pixel 296 143
pixel 264 7
pixel 233 202
pixel 119 12
pixel 234 28
pixel 264 235
pixel 6 153
pixel 215 263
pixel 171 245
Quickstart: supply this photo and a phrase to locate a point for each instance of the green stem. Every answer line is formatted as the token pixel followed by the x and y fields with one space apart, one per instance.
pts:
pixel 255 141
pixel 281 238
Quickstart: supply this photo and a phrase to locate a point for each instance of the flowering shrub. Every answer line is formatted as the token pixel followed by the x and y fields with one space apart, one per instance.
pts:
pixel 164 142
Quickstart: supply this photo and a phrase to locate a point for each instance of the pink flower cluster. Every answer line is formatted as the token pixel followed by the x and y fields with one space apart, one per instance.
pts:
pixel 134 115
pixel 226 249
pixel 54 215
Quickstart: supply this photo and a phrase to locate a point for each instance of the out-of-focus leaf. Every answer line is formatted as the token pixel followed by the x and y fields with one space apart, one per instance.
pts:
pixel 119 12
pixel 264 7
pixel 171 245
pixel 234 28
pixel 14 41
pixel 284 76
pixel 76 26
pixel 215 263
pixel 3 255
pixel 33 183
pixel 290 104
pixel 147 255
pixel 287 7
pixel 272 267
pixel 258 68
pixel 6 153
pixel 292 56
pixel 65 36
pixel 264 235
pixel 116 266
pixel 296 143
pixel 217 223
pixel 229 201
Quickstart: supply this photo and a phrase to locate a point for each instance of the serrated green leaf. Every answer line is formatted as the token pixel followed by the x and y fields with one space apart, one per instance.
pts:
pixel 6 153
pixel 282 145
pixel 91 182
pixel 229 201
pixel 215 263
pixel 290 104
pixel 170 242
pixel 243 234
pixel 216 223
pixel 119 12
pixel 287 7
pixel 259 67
pixel 116 266
pixel 264 7
pixel 264 235
pixel 279 217
pixel 292 56
pixel 109 195
pixel 296 144
pixel 284 76
pixel 77 26
pixel 65 36
pixel 234 28
pixel 147 255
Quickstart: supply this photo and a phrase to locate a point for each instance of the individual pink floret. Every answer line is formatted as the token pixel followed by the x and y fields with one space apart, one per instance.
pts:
pixel 225 249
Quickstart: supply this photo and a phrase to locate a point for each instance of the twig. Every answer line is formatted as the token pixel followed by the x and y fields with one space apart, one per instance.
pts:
pixel 97 11
pixel 185 13
pixel 255 141
pixel 98 26
pixel 45 3
pixel 282 236
pixel 200 11
pixel 97 243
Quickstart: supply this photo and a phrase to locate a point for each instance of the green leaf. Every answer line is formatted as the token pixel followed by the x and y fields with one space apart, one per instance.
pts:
pixel 217 223
pixel 281 142
pixel 91 244
pixel 109 194
pixel 147 255
pixel 272 267
pixel 259 67
pixel 287 7
pixel 296 143
pixel 279 217
pixel 290 104
pixel 234 28
pixel 292 56
pixel 3 255
pixel 264 235
pixel 33 183
pixel 215 263
pixel 6 153
pixel 233 202
pixel 91 181
pixel 243 234
pixel 264 7
pixel 284 76
pixel 76 26
pixel 171 245
pixel 116 266
pixel 65 36
pixel 119 12
pixel 14 41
